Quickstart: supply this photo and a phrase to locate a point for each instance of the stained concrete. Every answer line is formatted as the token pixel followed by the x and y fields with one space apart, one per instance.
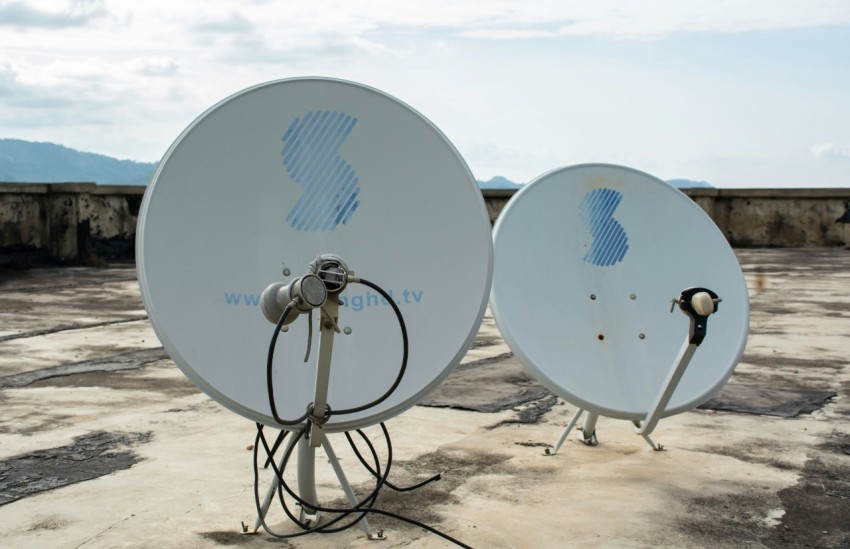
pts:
pixel 487 385
pixel 752 399
pixel 90 456
pixel 69 220
pixel 727 479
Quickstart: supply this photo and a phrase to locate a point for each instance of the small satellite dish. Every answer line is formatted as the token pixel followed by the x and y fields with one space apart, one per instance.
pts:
pixel 587 260
pixel 278 175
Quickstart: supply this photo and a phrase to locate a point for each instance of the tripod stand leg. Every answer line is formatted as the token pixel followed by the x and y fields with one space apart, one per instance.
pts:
pixel 267 501
pixel 349 491
pixel 554 450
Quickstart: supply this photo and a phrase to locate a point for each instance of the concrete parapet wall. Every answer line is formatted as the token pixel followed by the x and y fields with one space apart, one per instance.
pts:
pixel 23 217
pixel 68 221
pixel 777 217
pixel 788 218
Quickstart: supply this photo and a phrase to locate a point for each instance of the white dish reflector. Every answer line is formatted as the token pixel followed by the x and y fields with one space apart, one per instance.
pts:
pixel 272 177
pixel 587 260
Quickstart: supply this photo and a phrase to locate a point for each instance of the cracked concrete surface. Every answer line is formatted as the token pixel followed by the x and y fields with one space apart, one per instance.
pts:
pixel 124 361
pixel 727 479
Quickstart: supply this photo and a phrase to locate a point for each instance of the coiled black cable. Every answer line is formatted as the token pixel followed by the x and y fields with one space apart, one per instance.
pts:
pixel 405 345
pixel 364 506
pixel 376 472
pixel 270 370
pixel 282 485
pixel 402 369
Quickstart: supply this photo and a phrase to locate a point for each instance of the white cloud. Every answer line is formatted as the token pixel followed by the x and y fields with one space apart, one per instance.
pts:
pixel 508 34
pixel 650 19
pixel 160 65
pixel 646 18
pixel 20 14
pixel 490 160
pixel 232 23
pixel 831 150
pixel 507 19
pixel 496 75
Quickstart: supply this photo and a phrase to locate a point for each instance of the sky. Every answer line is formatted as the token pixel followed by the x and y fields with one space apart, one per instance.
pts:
pixel 736 93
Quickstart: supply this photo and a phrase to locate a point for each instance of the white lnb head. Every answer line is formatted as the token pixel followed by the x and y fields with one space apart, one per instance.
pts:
pixel 307 292
pixel 702 304
pixel 333 271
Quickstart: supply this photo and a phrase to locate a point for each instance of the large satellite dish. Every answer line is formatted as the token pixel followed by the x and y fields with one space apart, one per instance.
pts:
pixel 587 259
pixel 277 175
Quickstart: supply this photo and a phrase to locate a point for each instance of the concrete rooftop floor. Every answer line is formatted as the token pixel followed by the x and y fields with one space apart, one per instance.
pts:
pixel 86 391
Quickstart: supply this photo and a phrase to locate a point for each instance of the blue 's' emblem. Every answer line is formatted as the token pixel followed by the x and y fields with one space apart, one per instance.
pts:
pixel 609 242
pixel 311 160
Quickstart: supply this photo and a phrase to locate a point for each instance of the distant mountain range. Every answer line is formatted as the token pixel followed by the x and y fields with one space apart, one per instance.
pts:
pixel 32 162
pixel 29 162
pixel 500 182
pixel 690 184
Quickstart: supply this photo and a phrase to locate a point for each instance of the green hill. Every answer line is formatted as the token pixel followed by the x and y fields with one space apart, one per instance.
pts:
pixel 499 182
pixel 30 162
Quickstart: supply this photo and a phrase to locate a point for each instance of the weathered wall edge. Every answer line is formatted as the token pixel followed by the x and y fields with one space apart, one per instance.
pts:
pixel 70 222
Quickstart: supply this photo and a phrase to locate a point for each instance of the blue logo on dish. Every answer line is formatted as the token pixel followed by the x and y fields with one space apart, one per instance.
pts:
pixel 330 183
pixel 609 242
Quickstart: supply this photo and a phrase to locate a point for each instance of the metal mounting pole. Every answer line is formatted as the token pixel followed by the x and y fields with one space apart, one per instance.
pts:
pixel 307 486
pixel 673 377
pixel 588 430
pixel 307 482
pixel 327 329
pixel 316 437
pixel 312 292
pixel 698 304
